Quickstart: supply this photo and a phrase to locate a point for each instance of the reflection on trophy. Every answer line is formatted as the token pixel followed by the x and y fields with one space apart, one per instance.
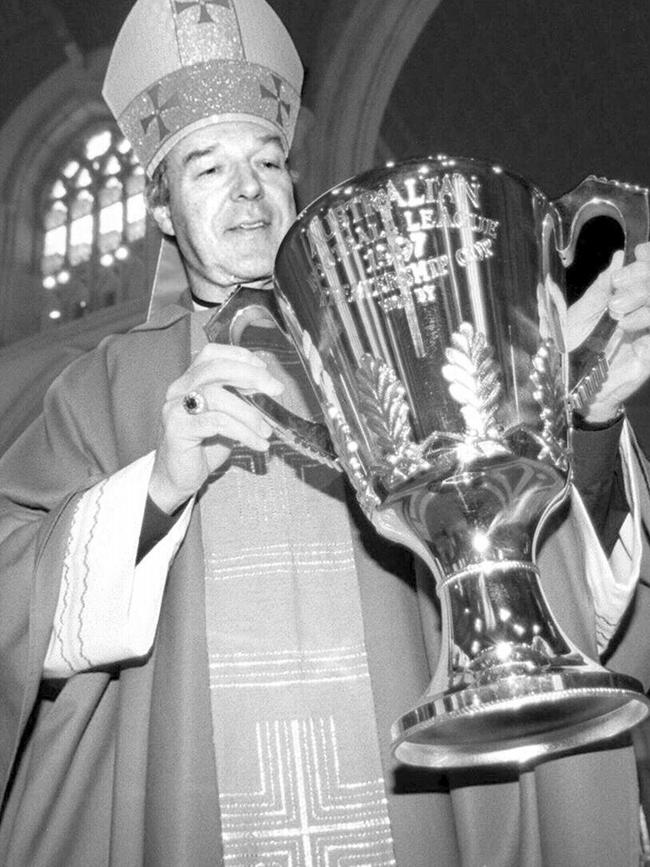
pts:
pixel 426 301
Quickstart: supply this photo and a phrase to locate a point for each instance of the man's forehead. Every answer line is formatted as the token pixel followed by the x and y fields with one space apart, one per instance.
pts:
pixel 222 137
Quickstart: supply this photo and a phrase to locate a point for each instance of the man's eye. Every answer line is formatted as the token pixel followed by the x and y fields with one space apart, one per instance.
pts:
pixel 209 170
pixel 272 161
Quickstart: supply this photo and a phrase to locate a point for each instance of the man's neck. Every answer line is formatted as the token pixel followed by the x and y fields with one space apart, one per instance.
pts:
pixel 215 295
pixel 221 294
pixel 202 304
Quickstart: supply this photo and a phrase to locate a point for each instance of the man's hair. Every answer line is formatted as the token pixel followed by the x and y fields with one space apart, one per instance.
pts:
pixel 157 187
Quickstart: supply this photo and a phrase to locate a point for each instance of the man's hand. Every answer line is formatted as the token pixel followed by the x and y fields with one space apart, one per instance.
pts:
pixel 625 291
pixel 191 446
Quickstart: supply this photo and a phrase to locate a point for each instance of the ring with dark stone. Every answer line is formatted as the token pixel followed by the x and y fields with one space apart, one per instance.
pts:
pixel 193 402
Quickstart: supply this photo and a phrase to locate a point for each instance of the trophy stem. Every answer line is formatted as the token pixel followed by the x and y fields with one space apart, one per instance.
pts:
pixel 510 687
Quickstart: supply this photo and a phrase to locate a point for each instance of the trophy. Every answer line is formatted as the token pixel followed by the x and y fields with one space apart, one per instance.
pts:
pixel 426 301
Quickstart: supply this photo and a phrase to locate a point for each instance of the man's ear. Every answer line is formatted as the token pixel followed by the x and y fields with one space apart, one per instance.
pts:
pixel 162 216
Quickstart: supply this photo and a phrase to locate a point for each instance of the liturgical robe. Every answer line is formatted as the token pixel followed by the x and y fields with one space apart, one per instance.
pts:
pixel 116 766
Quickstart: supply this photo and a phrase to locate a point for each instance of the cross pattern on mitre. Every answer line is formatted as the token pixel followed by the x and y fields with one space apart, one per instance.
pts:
pixel 277 96
pixel 159 108
pixel 204 15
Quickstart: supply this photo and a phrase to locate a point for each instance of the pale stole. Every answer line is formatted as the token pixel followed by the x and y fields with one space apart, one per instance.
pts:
pixel 297 752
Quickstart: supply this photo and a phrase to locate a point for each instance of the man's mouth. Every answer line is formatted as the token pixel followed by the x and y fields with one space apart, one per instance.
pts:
pixel 250 225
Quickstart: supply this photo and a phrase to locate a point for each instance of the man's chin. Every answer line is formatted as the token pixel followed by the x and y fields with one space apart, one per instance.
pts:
pixel 252 272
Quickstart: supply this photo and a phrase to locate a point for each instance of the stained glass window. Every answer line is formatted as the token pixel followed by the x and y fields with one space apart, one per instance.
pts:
pixel 94 226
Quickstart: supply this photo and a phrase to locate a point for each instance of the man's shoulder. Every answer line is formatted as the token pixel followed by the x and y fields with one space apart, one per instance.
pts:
pixel 165 318
pixel 165 327
pixel 151 348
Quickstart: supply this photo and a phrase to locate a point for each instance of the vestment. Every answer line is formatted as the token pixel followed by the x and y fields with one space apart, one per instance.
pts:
pixel 118 768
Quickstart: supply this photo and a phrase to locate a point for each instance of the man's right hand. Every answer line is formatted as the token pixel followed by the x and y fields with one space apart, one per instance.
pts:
pixel 191 446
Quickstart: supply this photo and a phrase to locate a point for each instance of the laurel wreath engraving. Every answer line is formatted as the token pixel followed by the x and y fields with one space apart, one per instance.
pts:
pixel 386 412
pixel 347 449
pixel 345 445
pixel 474 383
pixel 548 392
pixel 474 379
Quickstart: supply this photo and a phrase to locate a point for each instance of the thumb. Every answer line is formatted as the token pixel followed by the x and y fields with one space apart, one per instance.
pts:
pixel 583 316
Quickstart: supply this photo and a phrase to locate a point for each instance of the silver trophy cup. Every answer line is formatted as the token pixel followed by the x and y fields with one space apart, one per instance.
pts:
pixel 426 301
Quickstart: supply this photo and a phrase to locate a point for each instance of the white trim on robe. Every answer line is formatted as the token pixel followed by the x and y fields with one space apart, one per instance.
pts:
pixel 108 607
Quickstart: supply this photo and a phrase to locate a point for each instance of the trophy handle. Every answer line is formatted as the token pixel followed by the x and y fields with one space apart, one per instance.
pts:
pixel 245 307
pixel 628 205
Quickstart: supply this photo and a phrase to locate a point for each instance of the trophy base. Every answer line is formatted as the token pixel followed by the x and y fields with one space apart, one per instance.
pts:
pixel 519 720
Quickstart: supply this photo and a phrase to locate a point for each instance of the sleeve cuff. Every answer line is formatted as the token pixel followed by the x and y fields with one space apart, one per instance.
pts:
pixel 108 608
pixel 613 580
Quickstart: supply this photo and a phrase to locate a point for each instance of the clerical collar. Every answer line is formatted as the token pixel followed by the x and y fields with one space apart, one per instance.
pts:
pixel 202 304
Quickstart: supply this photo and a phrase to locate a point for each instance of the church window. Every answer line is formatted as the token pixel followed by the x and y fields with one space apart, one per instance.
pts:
pixel 93 226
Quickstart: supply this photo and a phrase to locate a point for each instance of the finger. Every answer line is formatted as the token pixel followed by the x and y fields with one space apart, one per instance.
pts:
pixel 642 252
pixel 629 366
pixel 585 313
pixel 213 427
pixel 617 260
pixel 235 431
pixel 637 320
pixel 235 373
pixel 594 300
pixel 226 352
pixel 230 403
pixel 632 290
pixel 224 357
pixel 224 413
pixel 634 274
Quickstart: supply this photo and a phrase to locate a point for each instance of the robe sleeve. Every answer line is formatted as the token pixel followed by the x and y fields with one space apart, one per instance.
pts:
pixel 108 606
pixel 610 497
pixel 629 648
pixel 72 447
pixel 613 575
pixel 599 476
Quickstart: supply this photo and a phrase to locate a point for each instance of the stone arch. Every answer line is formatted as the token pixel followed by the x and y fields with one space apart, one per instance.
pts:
pixel 62 105
pixel 352 86
pixel 32 140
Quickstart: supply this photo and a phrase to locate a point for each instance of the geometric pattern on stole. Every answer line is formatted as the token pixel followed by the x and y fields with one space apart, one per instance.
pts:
pixel 308 814
pixel 297 752
pixel 300 785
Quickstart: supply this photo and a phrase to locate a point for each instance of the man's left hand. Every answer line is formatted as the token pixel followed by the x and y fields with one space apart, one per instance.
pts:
pixel 625 291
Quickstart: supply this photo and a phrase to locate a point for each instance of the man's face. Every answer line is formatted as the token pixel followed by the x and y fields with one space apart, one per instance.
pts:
pixel 231 203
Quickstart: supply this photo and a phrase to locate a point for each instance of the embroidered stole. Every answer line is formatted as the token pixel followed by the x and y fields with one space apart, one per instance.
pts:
pixel 297 753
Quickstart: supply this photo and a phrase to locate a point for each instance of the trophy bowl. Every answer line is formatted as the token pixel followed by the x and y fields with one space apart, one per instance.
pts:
pixel 426 300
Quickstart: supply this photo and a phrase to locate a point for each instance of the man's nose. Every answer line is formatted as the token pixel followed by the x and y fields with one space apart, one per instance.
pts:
pixel 247 183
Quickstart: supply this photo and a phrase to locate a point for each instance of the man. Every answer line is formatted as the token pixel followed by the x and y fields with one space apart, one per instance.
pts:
pixel 203 643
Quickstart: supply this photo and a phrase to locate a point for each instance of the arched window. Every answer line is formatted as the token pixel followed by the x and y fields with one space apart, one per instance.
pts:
pixel 94 224
pixel 71 216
